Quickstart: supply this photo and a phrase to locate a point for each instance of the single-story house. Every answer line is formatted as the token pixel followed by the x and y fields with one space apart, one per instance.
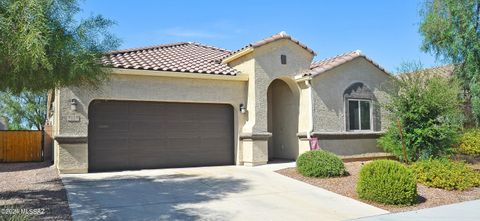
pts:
pixel 188 104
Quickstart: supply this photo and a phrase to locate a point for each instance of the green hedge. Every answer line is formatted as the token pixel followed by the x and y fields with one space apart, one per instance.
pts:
pixel 470 143
pixel 388 182
pixel 446 174
pixel 319 163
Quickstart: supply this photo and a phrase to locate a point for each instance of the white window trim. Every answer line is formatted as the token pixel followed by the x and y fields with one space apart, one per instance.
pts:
pixel 359 115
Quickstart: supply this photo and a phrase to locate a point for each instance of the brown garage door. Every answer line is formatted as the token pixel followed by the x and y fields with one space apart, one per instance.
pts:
pixel 125 135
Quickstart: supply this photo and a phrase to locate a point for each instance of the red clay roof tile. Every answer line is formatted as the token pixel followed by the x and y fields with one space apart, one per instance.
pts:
pixel 321 66
pixel 179 57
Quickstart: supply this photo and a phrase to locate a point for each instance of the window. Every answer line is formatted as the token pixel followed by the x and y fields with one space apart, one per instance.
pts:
pixel 359 114
pixel 283 59
pixel 359 110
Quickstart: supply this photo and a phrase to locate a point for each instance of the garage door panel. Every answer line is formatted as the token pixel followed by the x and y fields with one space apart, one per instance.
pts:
pixel 109 144
pixel 145 117
pixel 145 130
pixel 140 146
pixel 110 129
pixel 186 133
pixel 104 157
pixel 109 110
pixel 210 132
pixel 138 135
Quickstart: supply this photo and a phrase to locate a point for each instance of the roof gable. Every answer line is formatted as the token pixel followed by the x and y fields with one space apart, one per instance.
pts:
pixel 248 48
pixel 322 66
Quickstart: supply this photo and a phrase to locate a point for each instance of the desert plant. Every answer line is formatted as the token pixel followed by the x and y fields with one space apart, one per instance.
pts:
pixel 450 31
pixel 320 163
pixel 427 107
pixel 388 182
pixel 470 143
pixel 446 174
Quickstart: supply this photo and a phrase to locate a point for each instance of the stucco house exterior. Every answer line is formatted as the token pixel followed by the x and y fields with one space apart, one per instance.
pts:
pixel 188 104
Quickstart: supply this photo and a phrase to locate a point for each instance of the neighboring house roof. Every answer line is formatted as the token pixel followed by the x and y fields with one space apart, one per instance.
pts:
pixel 440 71
pixel 444 71
pixel 178 57
pixel 322 66
pixel 275 37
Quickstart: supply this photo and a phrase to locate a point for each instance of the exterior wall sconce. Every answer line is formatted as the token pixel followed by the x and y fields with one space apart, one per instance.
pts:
pixel 243 109
pixel 73 104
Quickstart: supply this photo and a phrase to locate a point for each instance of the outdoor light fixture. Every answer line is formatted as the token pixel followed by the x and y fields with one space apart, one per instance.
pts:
pixel 73 104
pixel 243 109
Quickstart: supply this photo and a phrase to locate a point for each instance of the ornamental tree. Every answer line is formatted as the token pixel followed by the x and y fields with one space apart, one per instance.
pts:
pixel 43 46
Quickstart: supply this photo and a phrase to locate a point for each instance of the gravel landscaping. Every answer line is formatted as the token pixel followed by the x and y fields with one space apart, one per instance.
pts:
pixel 33 187
pixel 346 185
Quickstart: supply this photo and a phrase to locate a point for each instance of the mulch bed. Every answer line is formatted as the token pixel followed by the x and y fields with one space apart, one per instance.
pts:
pixel 35 187
pixel 427 197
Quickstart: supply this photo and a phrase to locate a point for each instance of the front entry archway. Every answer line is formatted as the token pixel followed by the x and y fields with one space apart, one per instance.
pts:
pixel 282 120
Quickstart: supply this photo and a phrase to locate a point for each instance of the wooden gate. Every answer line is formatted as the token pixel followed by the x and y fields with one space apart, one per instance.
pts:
pixel 20 146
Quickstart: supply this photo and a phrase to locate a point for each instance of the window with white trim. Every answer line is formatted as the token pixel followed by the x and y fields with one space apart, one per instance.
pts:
pixel 359 114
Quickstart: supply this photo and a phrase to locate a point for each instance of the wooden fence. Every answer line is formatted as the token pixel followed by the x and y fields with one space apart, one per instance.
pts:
pixel 21 146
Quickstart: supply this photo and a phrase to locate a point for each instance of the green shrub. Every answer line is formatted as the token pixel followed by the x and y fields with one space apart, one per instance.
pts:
pixel 388 182
pixel 470 143
pixel 446 174
pixel 428 110
pixel 319 163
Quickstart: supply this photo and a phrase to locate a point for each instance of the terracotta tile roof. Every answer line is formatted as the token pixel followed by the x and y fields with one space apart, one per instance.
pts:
pixel 178 57
pixel 275 37
pixel 321 66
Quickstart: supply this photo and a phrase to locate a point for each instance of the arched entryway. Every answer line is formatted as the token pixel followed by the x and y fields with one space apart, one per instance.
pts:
pixel 283 119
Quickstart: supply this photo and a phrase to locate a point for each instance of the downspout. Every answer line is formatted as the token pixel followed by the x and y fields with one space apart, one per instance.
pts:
pixel 310 107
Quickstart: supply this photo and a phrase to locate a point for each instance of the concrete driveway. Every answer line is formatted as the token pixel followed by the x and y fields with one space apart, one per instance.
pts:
pixel 206 193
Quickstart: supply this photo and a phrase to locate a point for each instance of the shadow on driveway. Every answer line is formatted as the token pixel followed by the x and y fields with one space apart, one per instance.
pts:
pixel 152 197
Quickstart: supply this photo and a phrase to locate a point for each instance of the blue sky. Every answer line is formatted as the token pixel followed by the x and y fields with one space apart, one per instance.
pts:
pixel 386 31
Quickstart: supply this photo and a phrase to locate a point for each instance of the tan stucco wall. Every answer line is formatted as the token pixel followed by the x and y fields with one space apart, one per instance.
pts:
pixel 268 68
pixel 263 66
pixel 283 121
pixel 329 105
pixel 328 89
pixel 74 157
pixel 349 146
pixel 304 115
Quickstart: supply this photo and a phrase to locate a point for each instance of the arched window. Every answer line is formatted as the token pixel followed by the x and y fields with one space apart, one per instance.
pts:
pixel 359 101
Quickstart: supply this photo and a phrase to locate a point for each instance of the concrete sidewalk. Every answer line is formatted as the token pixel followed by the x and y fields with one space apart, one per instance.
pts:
pixel 206 193
pixel 465 211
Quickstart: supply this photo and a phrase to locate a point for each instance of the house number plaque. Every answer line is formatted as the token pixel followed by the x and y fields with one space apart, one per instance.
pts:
pixel 73 118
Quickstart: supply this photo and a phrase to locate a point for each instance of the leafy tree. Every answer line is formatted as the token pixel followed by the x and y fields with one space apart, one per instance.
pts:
pixel 25 111
pixel 451 30
pixel 428 108
pixel 42 46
